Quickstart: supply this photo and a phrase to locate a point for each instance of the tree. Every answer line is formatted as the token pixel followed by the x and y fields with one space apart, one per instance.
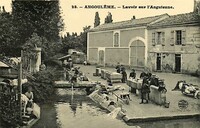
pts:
pixel 108 18
pixel 7 34
pixel 96 20
pixel 40 17
pixel 83 36
pixel 75 41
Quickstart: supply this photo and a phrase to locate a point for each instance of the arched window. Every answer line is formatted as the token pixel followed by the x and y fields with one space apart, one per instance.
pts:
pixel 116 39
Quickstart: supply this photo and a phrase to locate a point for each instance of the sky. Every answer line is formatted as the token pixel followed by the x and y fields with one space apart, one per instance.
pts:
pixel 76 19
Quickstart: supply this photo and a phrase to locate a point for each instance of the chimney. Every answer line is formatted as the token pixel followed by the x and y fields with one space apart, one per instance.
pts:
pixel 133 18
pixel 3 9
pixel 197 6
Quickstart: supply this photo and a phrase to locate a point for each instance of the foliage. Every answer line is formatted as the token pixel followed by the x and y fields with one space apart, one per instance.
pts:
pixel 84 38
pixel 74 41
pixel 7 34
pixel 108 18
pixel 33 42
pixel 70 42
pixel 42 86
pixel 40 17
pixel 96 20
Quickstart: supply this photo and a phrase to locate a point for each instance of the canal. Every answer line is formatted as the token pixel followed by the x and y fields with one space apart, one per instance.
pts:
pixel 78 111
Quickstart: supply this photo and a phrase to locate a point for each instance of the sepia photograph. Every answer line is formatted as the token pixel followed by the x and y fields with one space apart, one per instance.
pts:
pixel 99 64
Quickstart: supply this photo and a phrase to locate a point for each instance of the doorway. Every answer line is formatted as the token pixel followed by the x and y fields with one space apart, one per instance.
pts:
pixel 158 62
pixel 177 62
pixel 101 57
pixel 137 53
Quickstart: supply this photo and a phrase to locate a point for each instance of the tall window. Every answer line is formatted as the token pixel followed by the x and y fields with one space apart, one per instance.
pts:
pixel 158 38
pixel 116 40
pixel 178 37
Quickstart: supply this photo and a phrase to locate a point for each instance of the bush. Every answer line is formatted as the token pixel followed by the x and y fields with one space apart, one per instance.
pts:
pixel 43 86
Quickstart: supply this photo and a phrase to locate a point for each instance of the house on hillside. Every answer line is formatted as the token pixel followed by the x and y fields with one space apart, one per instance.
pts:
pixel 174 44
pixel 124 42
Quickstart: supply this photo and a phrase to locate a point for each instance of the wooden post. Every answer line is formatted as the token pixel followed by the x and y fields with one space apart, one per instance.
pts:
pixel 20 85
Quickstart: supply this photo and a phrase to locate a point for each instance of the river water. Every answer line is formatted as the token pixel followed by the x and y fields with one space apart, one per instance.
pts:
pixel 78 111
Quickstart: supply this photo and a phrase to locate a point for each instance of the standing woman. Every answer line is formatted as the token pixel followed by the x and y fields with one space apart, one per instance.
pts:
pixel 144 90
pixel 124 76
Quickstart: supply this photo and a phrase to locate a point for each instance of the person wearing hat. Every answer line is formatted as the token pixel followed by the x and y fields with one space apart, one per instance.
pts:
pixel 132 74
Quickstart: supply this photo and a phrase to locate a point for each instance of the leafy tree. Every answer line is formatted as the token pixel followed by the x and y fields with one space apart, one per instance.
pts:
pixel 75 41
pixel 108 18
pixel 96 20
pixel 70 42
pixel 40 17
pixel 7 34
pixel 83 36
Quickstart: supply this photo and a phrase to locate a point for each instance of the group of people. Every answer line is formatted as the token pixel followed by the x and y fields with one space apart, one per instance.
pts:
pixel 147 80
pixel 68 64
pixel 145 89
pixel 73 73
pixel 121 69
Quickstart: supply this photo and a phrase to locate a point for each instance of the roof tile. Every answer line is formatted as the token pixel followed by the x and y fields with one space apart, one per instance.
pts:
pixel 128 23
pixel 180 19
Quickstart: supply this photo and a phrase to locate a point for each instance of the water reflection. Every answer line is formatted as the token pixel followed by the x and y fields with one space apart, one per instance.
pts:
pixel 77 110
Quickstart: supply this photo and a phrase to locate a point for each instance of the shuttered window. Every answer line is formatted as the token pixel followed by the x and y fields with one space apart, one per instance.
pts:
pixel 158 38
pixel 183 37
pixel 163 38
pixel 172 38
pixel 153 39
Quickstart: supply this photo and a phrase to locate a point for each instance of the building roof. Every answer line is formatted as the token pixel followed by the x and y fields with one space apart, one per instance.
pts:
pixel 64 57
pixel 3 65
pixel 180 19
pixel 128 23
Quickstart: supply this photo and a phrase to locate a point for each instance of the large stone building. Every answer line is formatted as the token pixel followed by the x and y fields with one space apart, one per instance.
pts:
pixel 124 42
pixel 161 43
pixel 173 44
